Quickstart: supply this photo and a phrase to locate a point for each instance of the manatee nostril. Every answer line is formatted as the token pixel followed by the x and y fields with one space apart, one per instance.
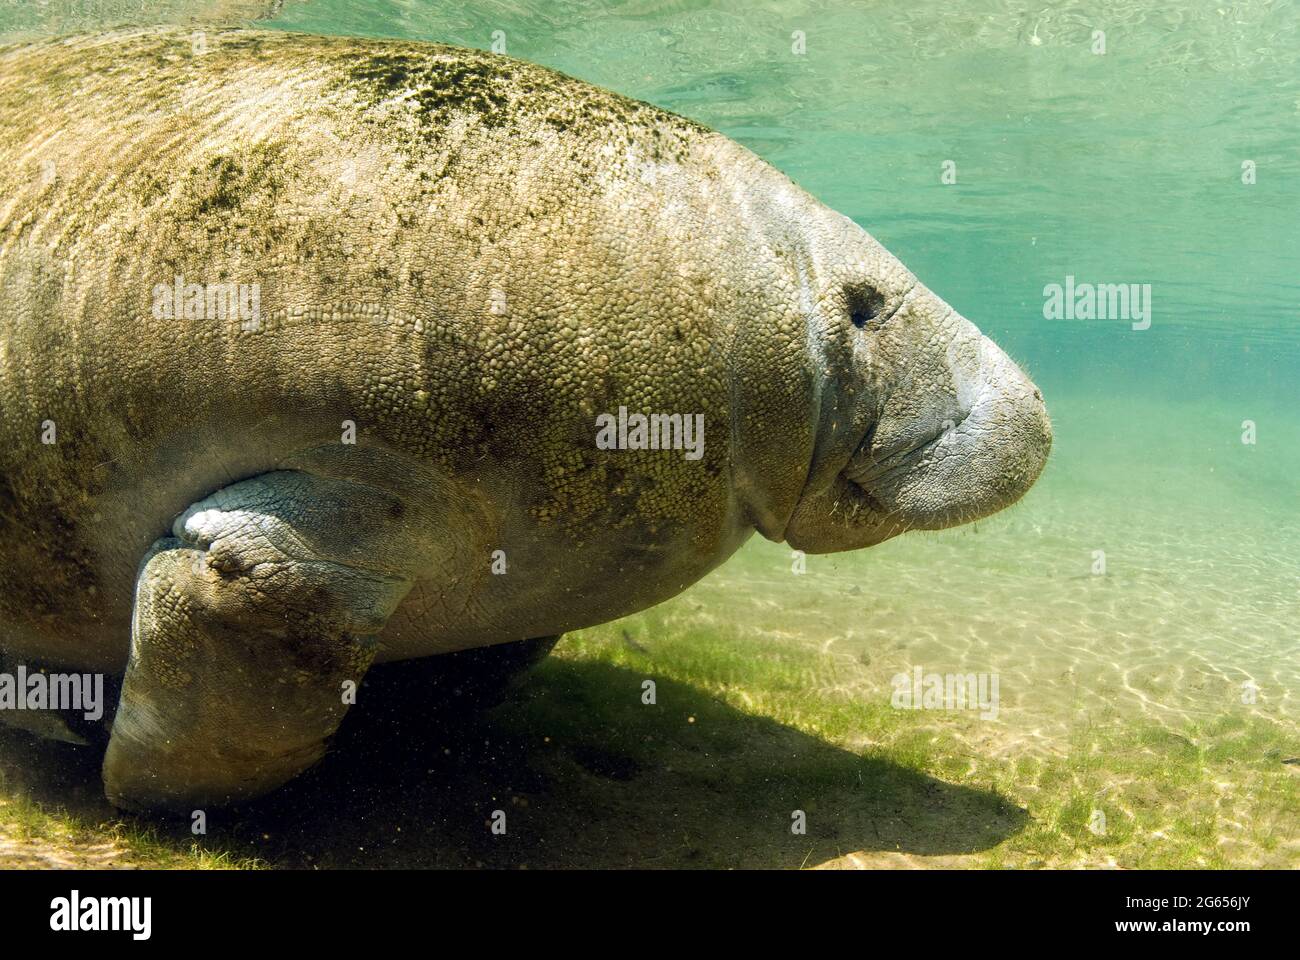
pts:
pixel 864 302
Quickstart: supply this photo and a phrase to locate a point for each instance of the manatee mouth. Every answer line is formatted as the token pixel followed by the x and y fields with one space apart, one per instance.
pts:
pixel 870 466
pixel 857 489
pixel 980 460
pixel 935 478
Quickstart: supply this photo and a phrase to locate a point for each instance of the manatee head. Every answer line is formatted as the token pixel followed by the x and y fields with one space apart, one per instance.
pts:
pixel 919 421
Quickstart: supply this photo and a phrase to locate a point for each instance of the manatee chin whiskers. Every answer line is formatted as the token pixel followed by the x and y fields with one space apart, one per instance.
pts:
pixel 875 466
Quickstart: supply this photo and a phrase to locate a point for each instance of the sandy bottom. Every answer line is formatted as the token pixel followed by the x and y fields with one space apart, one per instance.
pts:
pixel 1152 577
pixel 28 854
pixel 1148 574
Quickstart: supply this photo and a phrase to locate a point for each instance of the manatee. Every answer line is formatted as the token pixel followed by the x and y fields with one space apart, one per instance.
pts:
pixel 318 354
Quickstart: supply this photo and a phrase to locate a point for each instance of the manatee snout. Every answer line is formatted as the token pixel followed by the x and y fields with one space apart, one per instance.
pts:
pixel 955 456
pixel 954 431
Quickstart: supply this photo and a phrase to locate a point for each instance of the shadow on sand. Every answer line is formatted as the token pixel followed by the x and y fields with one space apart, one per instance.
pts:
pixel 586 775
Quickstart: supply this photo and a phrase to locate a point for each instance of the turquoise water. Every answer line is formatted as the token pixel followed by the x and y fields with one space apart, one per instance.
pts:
pixel 1117 167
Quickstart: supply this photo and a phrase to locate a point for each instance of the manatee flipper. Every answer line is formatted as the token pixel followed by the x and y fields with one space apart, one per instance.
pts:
pixel 43 725
pixel 249 624
pixel 465 681
pixel 412 706
pixel 483 677
pixel 50 725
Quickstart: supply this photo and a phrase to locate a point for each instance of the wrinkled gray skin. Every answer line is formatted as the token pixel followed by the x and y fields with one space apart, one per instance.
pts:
pixel 468 258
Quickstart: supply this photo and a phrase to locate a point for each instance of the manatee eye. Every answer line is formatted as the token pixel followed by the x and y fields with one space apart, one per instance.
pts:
pixel 865 304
